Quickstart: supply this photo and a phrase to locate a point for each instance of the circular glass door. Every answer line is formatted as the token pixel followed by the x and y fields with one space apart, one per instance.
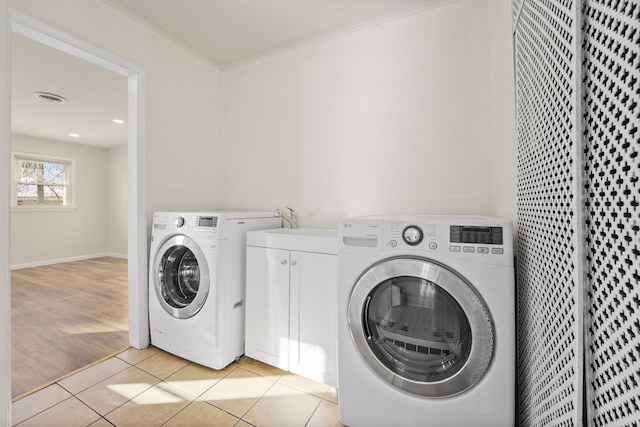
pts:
pixel 181 277
pixel 421 327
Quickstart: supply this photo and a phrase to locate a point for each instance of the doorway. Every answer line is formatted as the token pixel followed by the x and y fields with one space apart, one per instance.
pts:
pixel 136 153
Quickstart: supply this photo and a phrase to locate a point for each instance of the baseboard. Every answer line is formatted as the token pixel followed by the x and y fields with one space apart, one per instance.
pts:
pixel 115 255
pixel 70 259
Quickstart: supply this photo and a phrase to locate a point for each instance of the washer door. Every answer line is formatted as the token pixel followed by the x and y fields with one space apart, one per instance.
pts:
pixel 181 277
pixel 421 327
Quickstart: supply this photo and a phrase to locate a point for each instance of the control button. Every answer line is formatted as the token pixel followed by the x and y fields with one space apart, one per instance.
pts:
pixel 412 235
pixel 454 248
pixel 497 251
pixel 483 250
pixel 468 249
pixel 433 246
pixel 179 222
pixel 393 243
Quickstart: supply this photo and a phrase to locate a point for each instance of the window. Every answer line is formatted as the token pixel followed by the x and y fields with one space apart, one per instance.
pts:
pixel 41 181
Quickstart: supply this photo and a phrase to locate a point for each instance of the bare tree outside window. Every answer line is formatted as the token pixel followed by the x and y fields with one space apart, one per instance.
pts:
pixel 41 183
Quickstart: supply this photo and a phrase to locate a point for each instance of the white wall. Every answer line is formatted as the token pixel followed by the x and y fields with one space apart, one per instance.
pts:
pixel 117 201
pixel 411 116
pixel 502 107
pixel 184 100
pixel 45 236
pixel 395 118
pixel 97 226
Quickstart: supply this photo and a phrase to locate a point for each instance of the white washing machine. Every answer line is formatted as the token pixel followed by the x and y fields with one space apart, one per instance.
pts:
pixel 426 321
pixel 197 283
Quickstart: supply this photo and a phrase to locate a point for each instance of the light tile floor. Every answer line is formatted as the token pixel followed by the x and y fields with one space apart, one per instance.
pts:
pixel 153 388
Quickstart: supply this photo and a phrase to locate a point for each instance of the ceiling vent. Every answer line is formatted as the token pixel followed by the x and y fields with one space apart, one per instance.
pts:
pixel 50 97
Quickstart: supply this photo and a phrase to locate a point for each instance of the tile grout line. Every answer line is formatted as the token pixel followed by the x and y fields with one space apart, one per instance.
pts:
pixel 198 396
pixel 126 401
pixel 77 371
pixel 94 411
pixel 38 413
pixel 256 402
pixel 72 395
pixel 161 380
pixel 91 366
pixel 314 411
pixel 278 380
pixel 131 365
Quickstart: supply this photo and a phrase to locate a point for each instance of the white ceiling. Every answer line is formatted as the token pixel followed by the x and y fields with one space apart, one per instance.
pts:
pixel 226 32
pixel 95 96
pixel 232 31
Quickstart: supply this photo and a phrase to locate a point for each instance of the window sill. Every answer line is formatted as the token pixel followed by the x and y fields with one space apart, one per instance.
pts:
pixel 15 209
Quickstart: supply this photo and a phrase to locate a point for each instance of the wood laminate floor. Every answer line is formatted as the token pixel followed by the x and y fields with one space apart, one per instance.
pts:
pixel 65 317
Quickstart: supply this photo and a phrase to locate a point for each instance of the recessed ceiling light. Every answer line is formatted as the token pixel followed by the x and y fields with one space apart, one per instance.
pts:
pixel 74 135
pixel 118 121
pixel 51 97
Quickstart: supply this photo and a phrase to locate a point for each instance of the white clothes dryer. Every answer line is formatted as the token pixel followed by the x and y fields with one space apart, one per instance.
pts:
pixel 197 283
pixel 426 321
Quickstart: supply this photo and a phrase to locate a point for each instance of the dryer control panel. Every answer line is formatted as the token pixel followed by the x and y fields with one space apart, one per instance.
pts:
pixel 458 236
pixel 476 238
pixel 479 239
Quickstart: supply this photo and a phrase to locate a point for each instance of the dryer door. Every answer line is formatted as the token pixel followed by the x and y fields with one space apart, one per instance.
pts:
pixel 421 326
pixel 182 278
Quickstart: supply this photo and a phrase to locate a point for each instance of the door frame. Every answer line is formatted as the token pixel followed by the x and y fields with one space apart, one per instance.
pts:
pixel 136 152
pixel 5 289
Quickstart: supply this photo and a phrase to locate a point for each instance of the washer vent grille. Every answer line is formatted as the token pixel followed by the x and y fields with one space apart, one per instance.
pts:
pixel 611 92
pixel 549 295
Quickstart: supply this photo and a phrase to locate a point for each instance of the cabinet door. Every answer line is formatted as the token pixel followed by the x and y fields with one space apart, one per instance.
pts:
pixel 267 306
pixel 313 323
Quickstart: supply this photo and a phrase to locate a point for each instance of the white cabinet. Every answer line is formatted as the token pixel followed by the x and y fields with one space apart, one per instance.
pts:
pixel 291 308
pixel 313 316
pixel 267 306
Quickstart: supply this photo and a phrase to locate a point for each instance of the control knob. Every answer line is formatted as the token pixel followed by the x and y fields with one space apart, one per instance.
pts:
pixel 412 235
pixel 179 222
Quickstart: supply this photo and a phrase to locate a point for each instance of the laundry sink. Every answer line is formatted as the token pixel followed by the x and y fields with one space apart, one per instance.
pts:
pixel 323 240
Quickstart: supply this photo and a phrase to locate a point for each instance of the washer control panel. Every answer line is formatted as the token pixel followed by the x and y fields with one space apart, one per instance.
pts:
pixel 200 224
pixel 179 222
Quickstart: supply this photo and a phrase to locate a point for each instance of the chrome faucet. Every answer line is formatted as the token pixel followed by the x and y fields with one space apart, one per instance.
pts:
pixel 292 219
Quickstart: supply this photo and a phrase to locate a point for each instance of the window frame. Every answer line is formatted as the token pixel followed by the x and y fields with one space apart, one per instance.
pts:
pixel 70 191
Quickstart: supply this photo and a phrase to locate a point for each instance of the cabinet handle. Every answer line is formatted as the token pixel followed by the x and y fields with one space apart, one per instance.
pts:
pixel 283 262
pixel 293 263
